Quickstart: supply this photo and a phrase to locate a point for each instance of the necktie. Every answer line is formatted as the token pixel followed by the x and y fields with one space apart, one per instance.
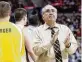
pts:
pixel 56 46
pixel 57 51
pixel 52 31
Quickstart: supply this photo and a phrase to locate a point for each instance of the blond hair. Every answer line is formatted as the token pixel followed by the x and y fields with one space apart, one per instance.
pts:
pixel 5 9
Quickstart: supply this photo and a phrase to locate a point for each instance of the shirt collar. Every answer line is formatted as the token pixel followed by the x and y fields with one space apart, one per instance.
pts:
pixel 47 26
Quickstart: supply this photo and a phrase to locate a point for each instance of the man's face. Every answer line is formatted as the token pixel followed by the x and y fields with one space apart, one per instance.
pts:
pixel 49 14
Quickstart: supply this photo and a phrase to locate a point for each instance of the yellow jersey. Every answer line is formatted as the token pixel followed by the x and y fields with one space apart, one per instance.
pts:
pixel 10 42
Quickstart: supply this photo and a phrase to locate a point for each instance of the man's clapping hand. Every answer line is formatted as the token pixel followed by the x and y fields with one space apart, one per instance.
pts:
pixel 55 37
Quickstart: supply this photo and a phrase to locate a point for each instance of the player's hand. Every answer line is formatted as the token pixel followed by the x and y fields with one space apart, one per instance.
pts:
pixel 67 42
pixel 55 37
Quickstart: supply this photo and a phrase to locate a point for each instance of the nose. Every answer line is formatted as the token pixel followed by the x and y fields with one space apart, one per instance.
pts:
pixel 51 12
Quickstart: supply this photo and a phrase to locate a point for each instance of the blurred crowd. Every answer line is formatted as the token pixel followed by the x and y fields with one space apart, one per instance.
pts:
pixel 68 14
pixel 61 5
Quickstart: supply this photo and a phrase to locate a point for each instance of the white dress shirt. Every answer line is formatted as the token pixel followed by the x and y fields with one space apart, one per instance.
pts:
pixel 44 49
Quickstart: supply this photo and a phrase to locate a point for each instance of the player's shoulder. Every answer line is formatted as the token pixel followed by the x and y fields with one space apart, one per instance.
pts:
pixel 12 24
pixel 14 27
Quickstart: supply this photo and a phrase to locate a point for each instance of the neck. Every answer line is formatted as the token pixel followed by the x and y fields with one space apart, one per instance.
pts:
pixel 6 19
pixel 20 22
pixel 52 24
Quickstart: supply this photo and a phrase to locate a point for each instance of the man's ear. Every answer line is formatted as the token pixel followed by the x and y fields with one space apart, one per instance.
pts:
pixel 9 14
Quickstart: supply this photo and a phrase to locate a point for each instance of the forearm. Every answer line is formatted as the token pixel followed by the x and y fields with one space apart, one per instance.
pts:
pixel 41 48
pixel 73 43
pixel 31 53
pixel 29 49
pixel 33 56
pixel 72 48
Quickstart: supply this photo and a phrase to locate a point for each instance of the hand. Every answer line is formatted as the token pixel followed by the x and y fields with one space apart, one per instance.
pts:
pixel 67 43
pixel 36 58
pixel 54 38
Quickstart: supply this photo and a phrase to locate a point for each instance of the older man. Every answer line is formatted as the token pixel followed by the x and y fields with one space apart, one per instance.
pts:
pixel 53 42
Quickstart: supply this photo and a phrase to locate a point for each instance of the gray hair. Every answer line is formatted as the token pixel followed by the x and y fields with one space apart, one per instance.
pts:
pixel 48 7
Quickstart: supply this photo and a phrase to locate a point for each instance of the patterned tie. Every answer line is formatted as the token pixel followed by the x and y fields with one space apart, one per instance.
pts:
pixel 56 46
pixel 57 51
